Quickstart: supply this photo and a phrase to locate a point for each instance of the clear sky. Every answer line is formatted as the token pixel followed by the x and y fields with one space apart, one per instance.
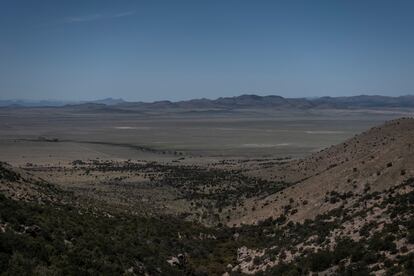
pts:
pixel 172 49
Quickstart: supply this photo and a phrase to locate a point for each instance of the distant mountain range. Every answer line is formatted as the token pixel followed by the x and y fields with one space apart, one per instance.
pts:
pixel 239 102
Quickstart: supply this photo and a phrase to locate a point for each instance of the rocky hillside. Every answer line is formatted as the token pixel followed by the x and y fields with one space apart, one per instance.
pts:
pixel 374 235
pixel 375 160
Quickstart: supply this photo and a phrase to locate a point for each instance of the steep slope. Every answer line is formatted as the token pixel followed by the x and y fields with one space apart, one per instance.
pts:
pixel 374 235
pixel 20 185
pixel 372 161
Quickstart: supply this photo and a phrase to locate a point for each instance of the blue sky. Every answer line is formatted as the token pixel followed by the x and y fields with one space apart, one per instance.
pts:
pixel 153 50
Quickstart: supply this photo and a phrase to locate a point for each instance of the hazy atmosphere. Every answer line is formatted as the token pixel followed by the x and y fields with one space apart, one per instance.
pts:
pixel 206 138
pixel 174 50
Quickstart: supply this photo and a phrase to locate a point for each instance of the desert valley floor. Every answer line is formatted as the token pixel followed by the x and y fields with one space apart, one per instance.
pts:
pixel 237 192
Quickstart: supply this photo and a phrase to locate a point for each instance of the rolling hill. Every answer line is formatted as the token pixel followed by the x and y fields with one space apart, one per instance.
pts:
pixel 375 160
pixel 247 101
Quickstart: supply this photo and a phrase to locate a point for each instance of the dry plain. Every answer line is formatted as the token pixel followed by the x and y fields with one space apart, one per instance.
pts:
pixel 50 135
pixel 246 191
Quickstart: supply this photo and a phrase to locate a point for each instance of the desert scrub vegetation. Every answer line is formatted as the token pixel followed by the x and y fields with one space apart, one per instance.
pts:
pixel 61 240
pixel 359 240
pixel 195 181
pixel 52 239
pixel 374 232
pixel 211 187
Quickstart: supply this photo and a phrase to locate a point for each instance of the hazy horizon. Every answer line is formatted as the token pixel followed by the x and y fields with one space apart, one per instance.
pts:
pixel 178 100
